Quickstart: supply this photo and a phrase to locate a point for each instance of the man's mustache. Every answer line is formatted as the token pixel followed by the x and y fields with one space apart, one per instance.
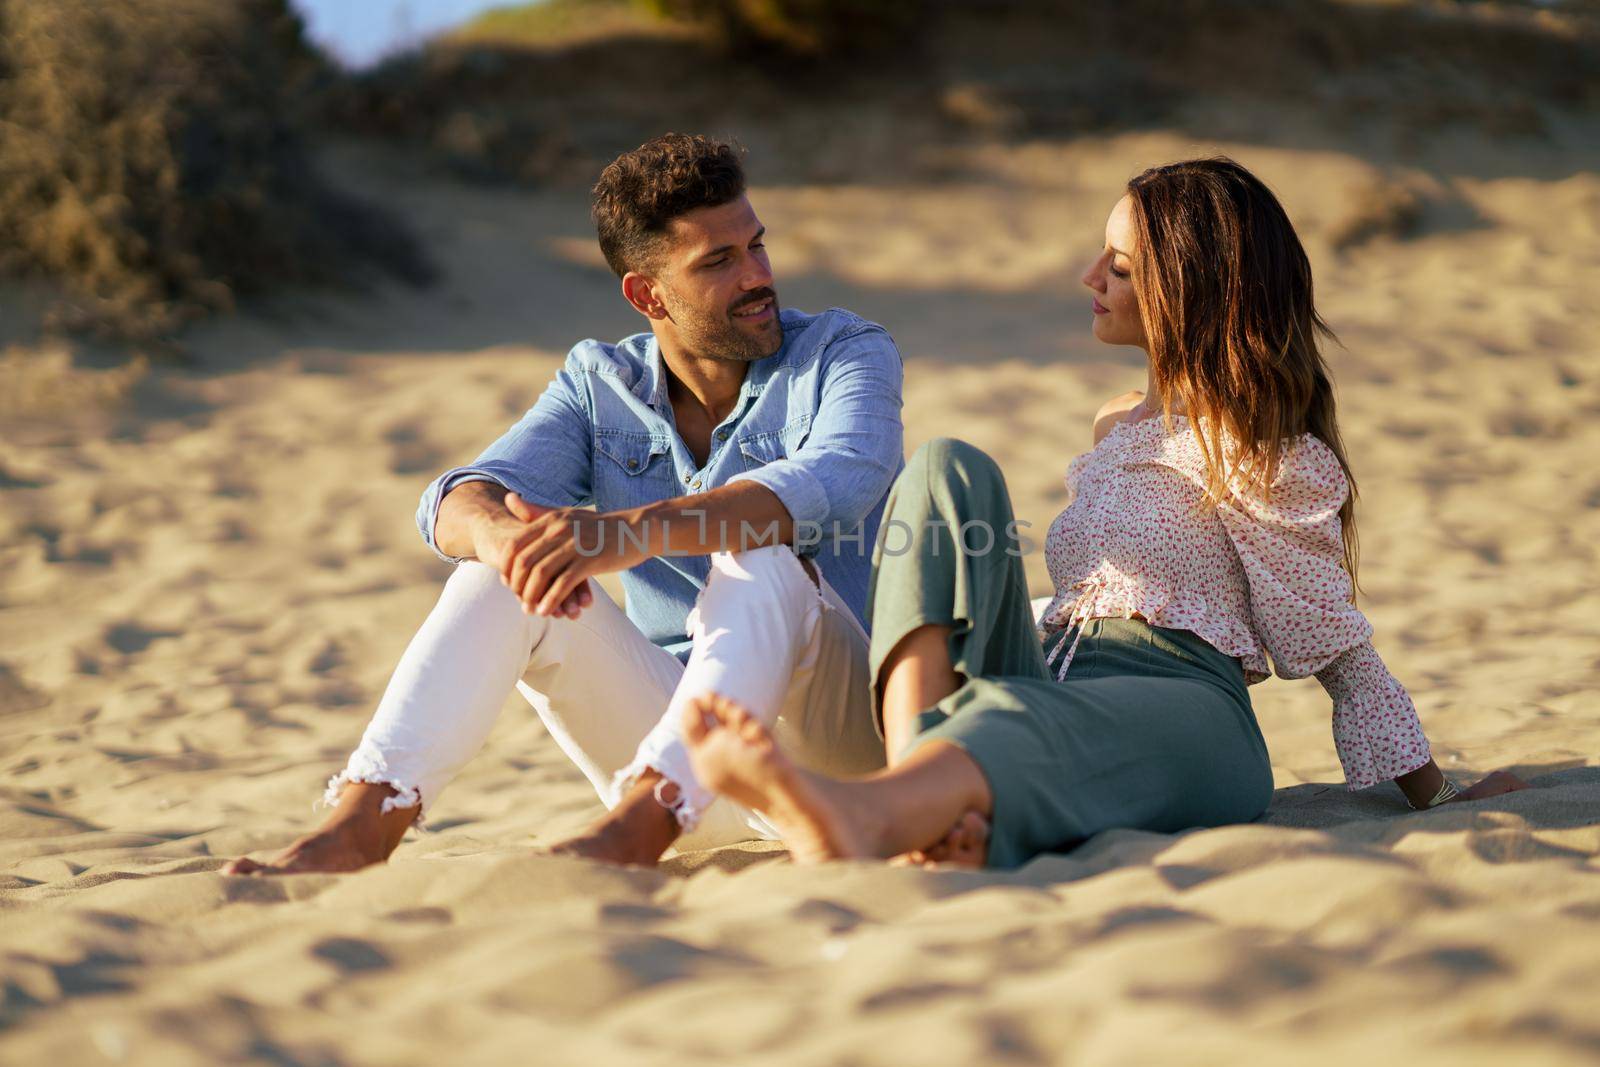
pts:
pixel 754 298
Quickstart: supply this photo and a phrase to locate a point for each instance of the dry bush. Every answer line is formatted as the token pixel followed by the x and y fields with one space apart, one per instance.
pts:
pixel 803 28
pixel 550 91
pixel 150 159
pixel 827 90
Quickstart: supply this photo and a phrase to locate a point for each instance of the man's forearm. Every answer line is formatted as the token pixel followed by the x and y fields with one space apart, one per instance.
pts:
pixel 462 509
pixel 730 518
pixel 560 549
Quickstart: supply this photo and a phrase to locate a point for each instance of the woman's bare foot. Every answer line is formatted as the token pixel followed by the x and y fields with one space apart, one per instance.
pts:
pixel 735 755
pixel 966 845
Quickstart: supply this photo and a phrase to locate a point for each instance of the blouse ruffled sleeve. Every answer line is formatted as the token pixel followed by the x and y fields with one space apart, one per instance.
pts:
pixel 1292 549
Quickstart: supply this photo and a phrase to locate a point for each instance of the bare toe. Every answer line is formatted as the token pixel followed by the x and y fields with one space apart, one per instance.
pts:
pixel 698 717
pixel 328 851
pixel 736 756
pixel 966 845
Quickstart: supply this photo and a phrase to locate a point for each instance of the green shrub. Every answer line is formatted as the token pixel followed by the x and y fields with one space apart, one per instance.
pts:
pixel 151 160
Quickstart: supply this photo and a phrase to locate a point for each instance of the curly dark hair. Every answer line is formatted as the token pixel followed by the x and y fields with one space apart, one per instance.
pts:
pixel 642 191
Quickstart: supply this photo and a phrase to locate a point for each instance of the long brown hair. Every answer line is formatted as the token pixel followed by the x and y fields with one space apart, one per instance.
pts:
pixel 1225 295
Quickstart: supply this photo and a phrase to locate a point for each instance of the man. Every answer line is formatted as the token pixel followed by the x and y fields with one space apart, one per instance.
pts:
pixel 737 458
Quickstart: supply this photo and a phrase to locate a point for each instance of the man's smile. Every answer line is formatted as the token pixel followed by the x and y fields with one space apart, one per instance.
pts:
pixel 755 312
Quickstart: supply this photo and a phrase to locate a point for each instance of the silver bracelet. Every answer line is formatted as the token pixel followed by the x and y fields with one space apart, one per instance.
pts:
pixel 1447 791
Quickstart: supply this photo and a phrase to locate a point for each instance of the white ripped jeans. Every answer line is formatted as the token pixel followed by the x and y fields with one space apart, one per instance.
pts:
pixel 764 634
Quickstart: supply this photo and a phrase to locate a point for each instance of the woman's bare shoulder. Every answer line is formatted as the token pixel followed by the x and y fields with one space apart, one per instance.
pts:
pixel 1112 411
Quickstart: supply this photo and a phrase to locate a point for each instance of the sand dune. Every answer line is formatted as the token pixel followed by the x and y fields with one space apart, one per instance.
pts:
pixel 208 573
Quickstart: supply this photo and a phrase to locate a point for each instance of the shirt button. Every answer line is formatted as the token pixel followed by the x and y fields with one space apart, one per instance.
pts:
pixel 632 463
pixel 695 484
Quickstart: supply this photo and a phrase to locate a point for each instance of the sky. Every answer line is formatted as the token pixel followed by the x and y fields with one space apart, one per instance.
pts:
pixel 359 32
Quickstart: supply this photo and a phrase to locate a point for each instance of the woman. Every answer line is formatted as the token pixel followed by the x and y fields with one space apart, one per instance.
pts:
pixel 1210 529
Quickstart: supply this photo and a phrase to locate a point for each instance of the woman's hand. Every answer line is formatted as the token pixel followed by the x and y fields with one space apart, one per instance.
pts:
pixel 1492 785
pixel 1427 781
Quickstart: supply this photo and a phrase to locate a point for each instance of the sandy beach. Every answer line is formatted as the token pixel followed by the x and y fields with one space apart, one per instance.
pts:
pixel 207 572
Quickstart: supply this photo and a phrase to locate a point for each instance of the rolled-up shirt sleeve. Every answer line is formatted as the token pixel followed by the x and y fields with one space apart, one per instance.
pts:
pixel 856 442
pixel 545 458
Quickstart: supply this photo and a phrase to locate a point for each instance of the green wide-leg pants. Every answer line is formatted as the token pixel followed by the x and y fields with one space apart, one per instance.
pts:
pixel 1150 729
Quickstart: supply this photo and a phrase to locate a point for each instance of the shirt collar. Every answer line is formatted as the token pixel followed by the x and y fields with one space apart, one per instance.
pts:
pixel 755 380
pixel 655 376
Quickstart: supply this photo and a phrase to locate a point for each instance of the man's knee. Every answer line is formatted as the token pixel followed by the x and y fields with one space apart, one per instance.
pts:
pixel 773 570
pixel 477 588
pixel 472 576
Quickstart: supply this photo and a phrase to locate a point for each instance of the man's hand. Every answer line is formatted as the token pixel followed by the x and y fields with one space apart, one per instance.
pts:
pixel 547 555
pixel 500 541
pixel 548 563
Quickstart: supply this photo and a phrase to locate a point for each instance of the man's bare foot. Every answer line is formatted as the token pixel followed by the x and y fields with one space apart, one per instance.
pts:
pixel 735 755
pixel 966 845
pixel 637 831
pixel 334 849
pixel 358 834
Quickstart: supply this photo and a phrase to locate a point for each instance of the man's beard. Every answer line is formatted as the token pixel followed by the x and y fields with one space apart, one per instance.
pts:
pixel 721 337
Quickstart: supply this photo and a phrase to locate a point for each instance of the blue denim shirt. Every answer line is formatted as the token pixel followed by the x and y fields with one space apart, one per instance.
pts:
pixel 817 422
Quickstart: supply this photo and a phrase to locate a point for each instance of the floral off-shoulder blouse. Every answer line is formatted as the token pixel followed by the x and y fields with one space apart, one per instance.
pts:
pixel 1258 577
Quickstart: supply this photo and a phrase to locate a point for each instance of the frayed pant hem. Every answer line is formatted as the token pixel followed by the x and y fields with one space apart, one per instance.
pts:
pixel 406 796
pixel 687 814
